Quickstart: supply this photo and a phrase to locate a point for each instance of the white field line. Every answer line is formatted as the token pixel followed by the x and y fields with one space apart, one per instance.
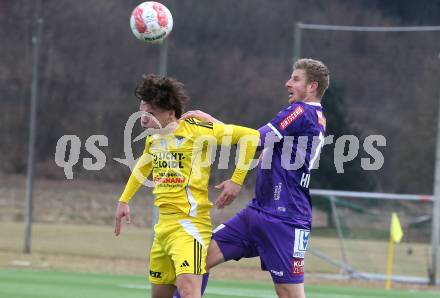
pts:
pixel 228 292
pixel 235 292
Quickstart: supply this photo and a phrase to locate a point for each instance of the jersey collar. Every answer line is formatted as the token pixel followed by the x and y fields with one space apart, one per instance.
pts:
pixel 316 104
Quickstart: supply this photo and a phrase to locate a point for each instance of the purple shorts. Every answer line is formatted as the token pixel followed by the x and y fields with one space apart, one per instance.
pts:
pixel 281 245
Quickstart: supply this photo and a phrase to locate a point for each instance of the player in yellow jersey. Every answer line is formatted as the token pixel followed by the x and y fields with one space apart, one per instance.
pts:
pixel 179 159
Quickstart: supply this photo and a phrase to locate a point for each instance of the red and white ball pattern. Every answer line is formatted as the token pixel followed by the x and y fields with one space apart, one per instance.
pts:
pixel 151 22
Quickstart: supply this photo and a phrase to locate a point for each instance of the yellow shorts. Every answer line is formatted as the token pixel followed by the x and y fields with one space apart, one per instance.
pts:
pixel 180 246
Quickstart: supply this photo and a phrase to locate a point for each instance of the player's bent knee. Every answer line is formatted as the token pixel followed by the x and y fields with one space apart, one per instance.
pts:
pixel 189 285
pixel 187 291
pixel 161 291
pixel 215 255
pixel 290 290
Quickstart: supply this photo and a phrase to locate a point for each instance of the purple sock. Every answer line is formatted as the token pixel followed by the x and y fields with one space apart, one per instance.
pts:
pixel 204 284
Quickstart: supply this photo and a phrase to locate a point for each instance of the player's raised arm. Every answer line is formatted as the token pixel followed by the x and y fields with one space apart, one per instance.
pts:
pixel 205 117
pixel 248 140
pixel 200 115
pixel 140 172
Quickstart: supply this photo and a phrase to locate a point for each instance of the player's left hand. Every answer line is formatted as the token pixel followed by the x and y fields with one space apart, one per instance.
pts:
pixel 228 194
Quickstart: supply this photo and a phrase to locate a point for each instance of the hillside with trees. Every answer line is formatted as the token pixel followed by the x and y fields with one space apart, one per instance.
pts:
pixel 234 57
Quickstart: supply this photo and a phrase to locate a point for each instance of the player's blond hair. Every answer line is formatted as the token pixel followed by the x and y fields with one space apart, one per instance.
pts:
pixel 315 71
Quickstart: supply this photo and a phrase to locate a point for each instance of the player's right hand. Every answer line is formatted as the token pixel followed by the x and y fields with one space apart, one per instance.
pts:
pixel 199 115
pixel 122 210
pixel 229 192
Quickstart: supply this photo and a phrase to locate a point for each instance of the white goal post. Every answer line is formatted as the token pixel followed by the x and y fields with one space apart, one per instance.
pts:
pixel 435 234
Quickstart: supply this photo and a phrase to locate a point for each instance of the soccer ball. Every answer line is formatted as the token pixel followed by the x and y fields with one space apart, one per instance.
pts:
pixel 151 22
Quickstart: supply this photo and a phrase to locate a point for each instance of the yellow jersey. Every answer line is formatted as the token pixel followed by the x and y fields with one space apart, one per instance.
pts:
pixel 181 164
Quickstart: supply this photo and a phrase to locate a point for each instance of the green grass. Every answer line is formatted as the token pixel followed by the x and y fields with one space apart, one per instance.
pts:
pixel 51 241
pixel 47 284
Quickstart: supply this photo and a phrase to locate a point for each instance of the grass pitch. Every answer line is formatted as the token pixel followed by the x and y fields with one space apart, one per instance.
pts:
pixel 49 284
pixel 52 241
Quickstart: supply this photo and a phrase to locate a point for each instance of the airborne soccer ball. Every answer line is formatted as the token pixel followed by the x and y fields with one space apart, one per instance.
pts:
pixel 151 22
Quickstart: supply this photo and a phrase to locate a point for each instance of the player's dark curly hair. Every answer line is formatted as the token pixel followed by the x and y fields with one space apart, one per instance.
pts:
pixel 162 92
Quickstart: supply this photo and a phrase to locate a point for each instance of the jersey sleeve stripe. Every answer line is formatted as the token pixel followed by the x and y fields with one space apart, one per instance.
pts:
pixel 202 124
pixel 275 130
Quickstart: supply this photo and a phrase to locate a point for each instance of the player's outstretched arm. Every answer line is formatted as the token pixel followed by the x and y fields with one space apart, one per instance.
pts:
pixel 122 210
pixel 200 115
pixel 248 141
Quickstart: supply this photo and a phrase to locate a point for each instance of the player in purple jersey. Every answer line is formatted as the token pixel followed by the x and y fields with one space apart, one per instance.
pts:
pixel 276 223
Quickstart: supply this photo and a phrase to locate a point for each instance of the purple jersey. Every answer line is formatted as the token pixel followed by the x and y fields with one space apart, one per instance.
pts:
pixel 282 187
